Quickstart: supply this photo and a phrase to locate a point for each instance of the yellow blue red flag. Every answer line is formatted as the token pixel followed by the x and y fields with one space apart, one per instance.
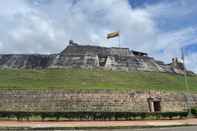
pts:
pixel 112 35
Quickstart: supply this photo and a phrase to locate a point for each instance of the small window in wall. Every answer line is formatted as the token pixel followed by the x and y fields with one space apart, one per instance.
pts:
pixel 102 60
pixel 154 104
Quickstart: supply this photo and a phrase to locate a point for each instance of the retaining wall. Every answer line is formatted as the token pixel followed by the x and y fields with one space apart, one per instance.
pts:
pixel 98 101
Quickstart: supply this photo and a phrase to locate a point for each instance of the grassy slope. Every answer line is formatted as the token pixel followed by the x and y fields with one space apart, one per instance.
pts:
pixel 92 79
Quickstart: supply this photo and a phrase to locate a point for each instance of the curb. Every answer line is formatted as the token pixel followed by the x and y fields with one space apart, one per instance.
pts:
pixel 92 127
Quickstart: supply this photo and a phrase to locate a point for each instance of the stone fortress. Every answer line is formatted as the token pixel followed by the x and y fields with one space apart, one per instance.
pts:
pixel 89 56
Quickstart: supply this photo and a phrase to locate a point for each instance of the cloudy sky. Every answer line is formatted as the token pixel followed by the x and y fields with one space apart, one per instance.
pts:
pixel 158 27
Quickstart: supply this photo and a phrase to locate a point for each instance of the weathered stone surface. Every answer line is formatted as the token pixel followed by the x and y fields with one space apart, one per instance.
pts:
pixel 86 56
pixel 99 101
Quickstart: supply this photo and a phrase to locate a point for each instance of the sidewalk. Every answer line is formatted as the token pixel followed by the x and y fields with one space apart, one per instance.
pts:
pixel 48 124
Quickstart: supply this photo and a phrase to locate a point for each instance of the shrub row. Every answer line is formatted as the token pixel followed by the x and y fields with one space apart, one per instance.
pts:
pixel 91 115
pixel 194 111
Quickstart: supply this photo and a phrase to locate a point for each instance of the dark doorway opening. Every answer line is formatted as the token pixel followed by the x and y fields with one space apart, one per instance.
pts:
pixel 157 106
pixel 102 60
pixel 154 104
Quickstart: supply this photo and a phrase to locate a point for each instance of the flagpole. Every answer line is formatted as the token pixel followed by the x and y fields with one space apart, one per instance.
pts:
pixel 119 40
pixel 185 73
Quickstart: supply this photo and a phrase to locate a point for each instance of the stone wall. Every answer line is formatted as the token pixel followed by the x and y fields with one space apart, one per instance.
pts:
pixel 98 101
pixel 25 61
pixel 120 51
pixel 89 56
pixel 84 49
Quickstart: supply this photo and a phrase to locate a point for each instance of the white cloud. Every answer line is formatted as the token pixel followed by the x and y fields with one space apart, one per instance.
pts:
pixel 1 44
pixel 45 26
pixel 191 62
pixel 175 40
pixel 53 24
pixel 10 7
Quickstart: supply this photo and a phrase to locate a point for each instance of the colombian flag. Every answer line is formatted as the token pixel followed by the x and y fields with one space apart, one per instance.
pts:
pixel 112 35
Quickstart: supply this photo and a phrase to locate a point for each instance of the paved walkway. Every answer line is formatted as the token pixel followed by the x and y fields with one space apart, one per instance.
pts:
pixel 38 124
pixel 188 128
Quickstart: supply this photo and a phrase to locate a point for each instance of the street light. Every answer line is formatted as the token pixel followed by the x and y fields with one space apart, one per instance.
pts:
pixel 188 95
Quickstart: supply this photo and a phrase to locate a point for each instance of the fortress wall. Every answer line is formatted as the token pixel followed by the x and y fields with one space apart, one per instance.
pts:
pixel 24 61
pixel 120 51
pixel 89 56
pixel 95 101
pixel 76 61
pixel 91 61
pixel 84 49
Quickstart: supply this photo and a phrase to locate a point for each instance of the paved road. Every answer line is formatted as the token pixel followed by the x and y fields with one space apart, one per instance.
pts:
pixel 194 128
pixel 191 128
pixel 84 124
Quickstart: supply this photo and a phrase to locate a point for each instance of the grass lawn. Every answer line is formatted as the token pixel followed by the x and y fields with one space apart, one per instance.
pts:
pixel 93 79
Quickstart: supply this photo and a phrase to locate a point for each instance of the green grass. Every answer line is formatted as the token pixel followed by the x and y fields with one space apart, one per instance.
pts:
pixel 93 79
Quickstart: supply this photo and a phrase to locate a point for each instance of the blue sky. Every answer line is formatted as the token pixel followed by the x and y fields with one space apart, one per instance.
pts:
pixel 143 3
pixel 170 22
pixel 158 27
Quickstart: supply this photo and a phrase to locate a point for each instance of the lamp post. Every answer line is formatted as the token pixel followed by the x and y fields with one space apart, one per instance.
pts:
pixel 186 84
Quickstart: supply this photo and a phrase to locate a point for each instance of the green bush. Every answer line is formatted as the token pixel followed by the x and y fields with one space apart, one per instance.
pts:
pixel 94 115
pixel 172 115
pixel 194 111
